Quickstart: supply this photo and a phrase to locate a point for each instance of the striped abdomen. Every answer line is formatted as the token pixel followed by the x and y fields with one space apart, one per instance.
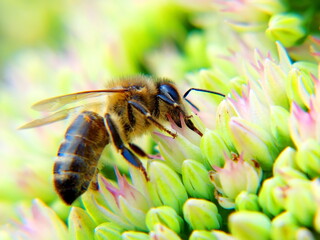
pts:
pixel 79 154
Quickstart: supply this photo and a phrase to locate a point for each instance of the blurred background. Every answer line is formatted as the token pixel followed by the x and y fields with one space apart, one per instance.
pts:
pixel 50 48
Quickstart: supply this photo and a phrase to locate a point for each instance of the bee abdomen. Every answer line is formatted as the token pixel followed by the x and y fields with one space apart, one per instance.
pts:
pixel 78 155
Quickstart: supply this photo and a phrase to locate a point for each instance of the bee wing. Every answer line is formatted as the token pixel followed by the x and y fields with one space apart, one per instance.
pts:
pixel 53 104
pixel 61 115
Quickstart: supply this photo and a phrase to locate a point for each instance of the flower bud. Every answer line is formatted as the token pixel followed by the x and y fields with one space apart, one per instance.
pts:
pixel 245 225
pixel 308 158
pixel 274 85
pixel 225 112
pixel 285 166
pixel 166 216
pixel 133 235
pixel 167 188
pixel 298 192
pixel 271 197
pixel 305 234
pixel 287 28
pixel 81 226
pixel 161 232
pixel 202 235
pixel 121 203
pixel 196 180
pixel 284 226
pixel 201 214
pixel 271 6
pixel 247 201
pixel 303 125
pixel 107 231
pixel 288 173
pixel 255 142
pixel 236 176
pixel 222 235
pixel 213 148
pixel 175 151
pixel 316 221
pixel 280 127
pixel 298 84
pixel 285 159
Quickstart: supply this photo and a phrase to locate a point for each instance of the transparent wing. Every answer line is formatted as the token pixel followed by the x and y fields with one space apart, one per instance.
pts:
pixel 53 104
pixel 61 115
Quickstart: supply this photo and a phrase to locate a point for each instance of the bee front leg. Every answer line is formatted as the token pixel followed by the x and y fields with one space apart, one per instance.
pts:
pixel 125 152
pixel 142 153
pixel 144 111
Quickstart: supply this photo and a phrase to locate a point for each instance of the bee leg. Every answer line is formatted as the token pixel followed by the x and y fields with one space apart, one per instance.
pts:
pixel 94 182
pixel 187 120
pixel 125 152
pixel 138 150
pixel 142 153
pixel 142 109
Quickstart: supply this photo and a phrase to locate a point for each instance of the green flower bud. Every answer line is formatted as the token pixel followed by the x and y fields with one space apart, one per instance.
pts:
pixel 133 235
pixel 274 85
pixel 305 234
pixel 245 225
pixel 285 166
pixel 298 192
pixel 225 112
pixel 81 226
pixel 196 180
pixel 167 188
pixel 271 197
pixel 166 216
pixel 247 201
pixel 270 6
pixel 215 80
pixel 284 58
pixel 222 235
pixel 284 226
pixel 236 176
pixel 316 221
pixel 297 85
pixel 308 158
pixel 254 141
pixel 213 148
pixel 175 151
pixel 288 173
pixel 303 125
pixel 120 203
pixel 202 235
pixel 161 232
pixel 107 231
pixel 280 126
pixel 201 214
pixel 285 159
pixel 287 28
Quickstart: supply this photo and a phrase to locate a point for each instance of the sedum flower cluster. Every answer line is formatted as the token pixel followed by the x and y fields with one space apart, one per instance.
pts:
pixel 255 172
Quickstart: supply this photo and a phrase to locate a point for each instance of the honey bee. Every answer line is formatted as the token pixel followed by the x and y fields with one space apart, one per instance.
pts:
pixel 127 108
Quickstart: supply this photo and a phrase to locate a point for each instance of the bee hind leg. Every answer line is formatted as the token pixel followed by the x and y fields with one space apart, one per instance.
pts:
pixel 94 185
pixel 125 152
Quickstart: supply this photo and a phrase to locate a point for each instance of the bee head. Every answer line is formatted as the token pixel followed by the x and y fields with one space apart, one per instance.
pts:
pixel 169 94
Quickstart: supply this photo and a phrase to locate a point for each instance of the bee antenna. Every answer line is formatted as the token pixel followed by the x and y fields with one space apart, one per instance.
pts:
pixel 199 90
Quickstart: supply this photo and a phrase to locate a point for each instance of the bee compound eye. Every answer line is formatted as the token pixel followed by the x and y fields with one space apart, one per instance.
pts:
pixel 171 91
